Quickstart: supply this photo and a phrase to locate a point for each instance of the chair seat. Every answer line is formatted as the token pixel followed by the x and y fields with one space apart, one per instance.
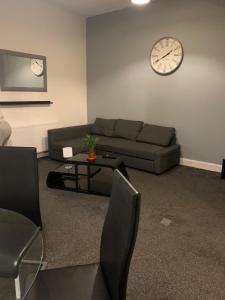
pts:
pixel 72 283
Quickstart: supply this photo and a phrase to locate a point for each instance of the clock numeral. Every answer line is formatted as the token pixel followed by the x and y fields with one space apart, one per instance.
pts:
pixel 177 48
pixel 174 41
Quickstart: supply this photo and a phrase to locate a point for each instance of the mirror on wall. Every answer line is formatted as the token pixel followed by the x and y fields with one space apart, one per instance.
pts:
pixel 22 72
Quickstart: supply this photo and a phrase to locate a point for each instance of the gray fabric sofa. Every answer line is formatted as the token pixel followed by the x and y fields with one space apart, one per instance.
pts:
pixel 142 146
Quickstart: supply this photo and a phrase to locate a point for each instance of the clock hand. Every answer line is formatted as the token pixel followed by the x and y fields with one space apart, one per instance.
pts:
pixel 38 63
pixel 164 56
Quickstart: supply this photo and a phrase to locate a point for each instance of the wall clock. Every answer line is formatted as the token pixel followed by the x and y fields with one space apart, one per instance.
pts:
pixel 37 66
pixel 166 56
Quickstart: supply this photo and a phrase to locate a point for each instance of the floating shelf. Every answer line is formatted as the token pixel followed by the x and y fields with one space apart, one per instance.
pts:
pixel 23 103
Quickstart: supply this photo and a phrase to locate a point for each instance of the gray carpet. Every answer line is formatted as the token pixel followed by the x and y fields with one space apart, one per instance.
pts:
pixel 185 260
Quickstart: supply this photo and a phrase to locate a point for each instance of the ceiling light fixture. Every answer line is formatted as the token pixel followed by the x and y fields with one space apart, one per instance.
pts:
pixel 140 2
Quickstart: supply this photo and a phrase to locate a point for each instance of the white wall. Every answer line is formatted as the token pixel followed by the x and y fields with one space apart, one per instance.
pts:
pixel 34 26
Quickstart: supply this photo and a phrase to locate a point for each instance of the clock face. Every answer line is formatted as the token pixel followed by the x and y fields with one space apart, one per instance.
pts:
pixel 37 66
pixel 166 56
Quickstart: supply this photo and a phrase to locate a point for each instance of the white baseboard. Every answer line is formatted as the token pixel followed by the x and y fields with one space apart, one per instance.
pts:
pixel 42 154
pixel 201 165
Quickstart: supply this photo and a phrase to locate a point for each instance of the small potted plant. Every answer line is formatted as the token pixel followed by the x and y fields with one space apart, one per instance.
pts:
pixel 90 142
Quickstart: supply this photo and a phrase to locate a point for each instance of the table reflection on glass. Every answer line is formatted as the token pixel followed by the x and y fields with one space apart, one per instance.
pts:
pixel 21 254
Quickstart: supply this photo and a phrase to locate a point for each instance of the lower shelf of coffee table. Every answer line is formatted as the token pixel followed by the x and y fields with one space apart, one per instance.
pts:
pixel 100 182
pixel 69 170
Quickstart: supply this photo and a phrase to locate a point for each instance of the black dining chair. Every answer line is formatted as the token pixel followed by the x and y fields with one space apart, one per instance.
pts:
pixel 106 280
pixel 19 182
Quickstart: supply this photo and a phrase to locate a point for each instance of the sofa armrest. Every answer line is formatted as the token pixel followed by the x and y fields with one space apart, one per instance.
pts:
pixel 65 133
pixel 68 132
pixel 167 158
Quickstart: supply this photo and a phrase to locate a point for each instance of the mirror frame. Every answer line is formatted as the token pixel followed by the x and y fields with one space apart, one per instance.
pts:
pixel 23 89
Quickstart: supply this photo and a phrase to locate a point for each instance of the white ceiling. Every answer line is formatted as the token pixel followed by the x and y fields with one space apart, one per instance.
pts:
pixel 92 7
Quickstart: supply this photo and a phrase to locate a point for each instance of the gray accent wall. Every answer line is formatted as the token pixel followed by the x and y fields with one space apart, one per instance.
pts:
pixel 121 83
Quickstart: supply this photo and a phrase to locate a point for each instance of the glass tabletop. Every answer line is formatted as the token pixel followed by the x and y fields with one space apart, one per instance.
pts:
pixel 21 254
pixel 101 160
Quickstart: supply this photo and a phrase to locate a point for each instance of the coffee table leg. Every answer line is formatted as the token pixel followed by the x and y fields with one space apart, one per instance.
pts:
pixel 89 178
pixel 76 177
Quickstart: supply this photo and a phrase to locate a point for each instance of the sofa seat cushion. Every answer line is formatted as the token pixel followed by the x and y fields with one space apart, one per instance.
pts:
pixel 129 148
pixel 103 127
pixel 77 144
pixel 128 129
pixel 157 135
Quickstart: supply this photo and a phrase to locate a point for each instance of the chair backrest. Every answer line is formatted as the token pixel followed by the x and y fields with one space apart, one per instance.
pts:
pixel 19 183
pixel 119 235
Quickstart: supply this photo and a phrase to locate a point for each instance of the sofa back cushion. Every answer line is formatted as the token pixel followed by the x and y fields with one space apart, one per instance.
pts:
pixel 103 127
pixel 128 129
pixel 157 135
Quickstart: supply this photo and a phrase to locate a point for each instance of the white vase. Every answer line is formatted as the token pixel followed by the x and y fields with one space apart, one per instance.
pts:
pixel 5 132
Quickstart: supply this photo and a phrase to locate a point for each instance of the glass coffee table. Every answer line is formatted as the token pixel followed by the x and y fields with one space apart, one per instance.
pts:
pixel 21 254
pixel 84 176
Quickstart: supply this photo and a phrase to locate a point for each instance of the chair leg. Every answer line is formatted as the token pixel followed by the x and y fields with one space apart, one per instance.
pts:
pixel 31 262
pixel 18 289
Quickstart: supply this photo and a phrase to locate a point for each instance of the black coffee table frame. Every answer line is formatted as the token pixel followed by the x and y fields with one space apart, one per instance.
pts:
pixel 56 179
